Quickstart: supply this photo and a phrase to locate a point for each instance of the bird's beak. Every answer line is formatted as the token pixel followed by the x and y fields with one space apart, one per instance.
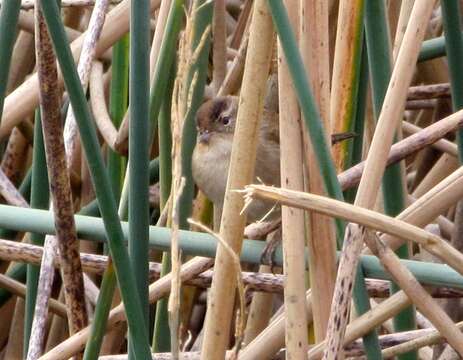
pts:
pixel 204 136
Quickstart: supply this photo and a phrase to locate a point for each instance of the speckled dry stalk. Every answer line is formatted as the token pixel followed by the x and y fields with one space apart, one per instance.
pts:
pixel 60 187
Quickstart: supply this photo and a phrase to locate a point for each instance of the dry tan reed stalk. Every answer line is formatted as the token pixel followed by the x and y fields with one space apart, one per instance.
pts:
pixel 368 321
pixel 364 217
pixel 428 337
pixel 22 59
pixel 420 297
pixel 314 41
pixel 292 220
pixel 425 209
pixel 87 55
pixel 10 193
pixel 19 289
pixel 26 23
pixel 60 187
pixel 241 171
pixel 29 4
pixel 159 34
pixel 344 73
pixel 406 7
pixel 14 157
pixel 14 347
pixel 442 145
pixel 241 25
pixel 433 91
pixel 407 146
pixel 391 113
pixel 24 99
pixel 157 290
pixel 219 46
pixel 443 167
pixel 46 276
pixel 99 108
pixel 121 141
pixel 96 264
pixel 271 339
pixel 232 80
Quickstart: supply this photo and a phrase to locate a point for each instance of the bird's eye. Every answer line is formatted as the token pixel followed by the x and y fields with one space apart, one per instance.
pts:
pixel 225 120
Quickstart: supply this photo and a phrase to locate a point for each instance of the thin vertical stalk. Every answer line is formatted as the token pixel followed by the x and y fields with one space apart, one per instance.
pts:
pixel 9 13
pixel 39 200
pixel 242 164
pixel 139 151
pixel 100 179
pixel 292 220
pixel 380 57
pixel 314 44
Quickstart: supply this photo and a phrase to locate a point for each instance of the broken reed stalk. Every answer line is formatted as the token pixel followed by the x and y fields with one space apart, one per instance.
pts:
pixel 392 110
pixel 321 239
pixel 367 218
pixel 292 220
pixel 60 188
pixel 241 172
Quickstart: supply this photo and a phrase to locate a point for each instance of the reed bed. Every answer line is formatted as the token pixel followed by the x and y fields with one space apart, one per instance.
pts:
pixel 110 247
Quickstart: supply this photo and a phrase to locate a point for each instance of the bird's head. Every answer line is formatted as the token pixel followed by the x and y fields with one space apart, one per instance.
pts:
pixel 217 117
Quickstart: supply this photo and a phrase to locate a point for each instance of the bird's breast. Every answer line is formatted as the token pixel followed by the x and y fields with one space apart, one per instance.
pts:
pixel 210 169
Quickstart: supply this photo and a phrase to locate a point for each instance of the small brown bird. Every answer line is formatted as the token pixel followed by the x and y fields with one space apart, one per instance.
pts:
pixel 215 121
